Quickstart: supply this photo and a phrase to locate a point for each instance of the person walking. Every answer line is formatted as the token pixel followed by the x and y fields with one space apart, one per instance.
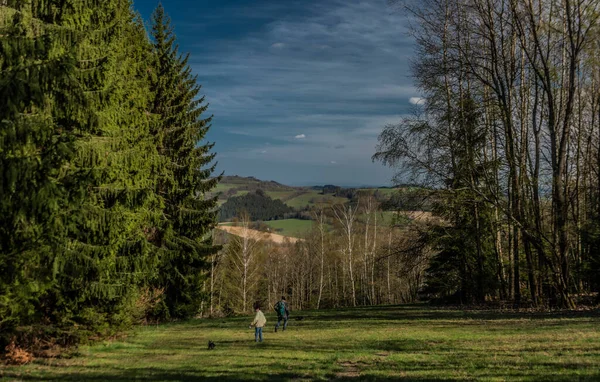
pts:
pixel 258 323
pixel 282 309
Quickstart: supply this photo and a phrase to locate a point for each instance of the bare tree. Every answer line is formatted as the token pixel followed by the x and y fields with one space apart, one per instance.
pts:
pixel 319 218
pixel 346 216
pixel 244 251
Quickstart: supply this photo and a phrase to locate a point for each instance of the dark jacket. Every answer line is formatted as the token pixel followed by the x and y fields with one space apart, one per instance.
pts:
pixel 287 308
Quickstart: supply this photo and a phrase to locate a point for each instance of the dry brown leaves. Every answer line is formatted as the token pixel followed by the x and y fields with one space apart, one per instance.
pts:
pixel 16 356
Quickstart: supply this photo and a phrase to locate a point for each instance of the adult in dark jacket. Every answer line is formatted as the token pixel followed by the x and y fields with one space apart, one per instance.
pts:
pixel 282 308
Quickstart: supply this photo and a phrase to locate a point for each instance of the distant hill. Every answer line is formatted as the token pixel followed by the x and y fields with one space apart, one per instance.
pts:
pixel 285 209
pixel 301 199
pixel 251 183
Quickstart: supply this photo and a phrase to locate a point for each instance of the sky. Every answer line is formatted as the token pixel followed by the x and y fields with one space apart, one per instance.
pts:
pixel 299 90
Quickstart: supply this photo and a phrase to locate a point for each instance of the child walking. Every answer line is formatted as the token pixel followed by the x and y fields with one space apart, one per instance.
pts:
pixel 258 323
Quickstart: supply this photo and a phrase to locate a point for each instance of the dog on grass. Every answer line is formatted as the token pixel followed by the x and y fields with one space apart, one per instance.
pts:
pixel 211 345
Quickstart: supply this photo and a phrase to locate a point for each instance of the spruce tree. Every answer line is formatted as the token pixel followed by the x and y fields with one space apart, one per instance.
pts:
pixel 42 113
pixel 108 256
pixel 76 153
pixel 185 179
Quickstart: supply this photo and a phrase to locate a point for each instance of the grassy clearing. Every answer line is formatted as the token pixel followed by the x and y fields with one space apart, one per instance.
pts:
pixel 314 197
pixel 384 344
pixel 222 187
pixel 281 195
pixel 290 227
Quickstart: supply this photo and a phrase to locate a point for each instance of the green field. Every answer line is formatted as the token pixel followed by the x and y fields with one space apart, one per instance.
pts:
pixel 314 197
pixel 290 227
pixel 223 187
pixel 411 342
pixel 281 195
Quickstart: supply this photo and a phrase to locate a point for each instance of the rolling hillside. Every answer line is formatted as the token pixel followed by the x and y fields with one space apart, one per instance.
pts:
pixel 295 197
pixel 303 199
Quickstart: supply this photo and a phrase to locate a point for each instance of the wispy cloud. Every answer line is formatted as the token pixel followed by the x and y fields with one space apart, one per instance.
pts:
pixel 335 70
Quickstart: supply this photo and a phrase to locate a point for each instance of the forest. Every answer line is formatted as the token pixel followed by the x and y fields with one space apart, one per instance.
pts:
pixel 104 221
pixel 508 133
pixel 257 204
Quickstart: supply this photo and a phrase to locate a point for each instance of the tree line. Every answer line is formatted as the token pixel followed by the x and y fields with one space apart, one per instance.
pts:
pixel 105 168
pixel 509 137
pixel 351 257
pixel 258 205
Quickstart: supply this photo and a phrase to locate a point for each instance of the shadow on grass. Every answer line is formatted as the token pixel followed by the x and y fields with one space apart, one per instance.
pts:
pixel 409 312
pixel 155 374
pixel 412 312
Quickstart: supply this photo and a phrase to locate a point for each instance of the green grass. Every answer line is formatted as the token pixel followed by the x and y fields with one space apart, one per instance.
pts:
pixel 375 344
pixel 281 195
pixel 313 197
pixel 290 227
pixel 301 198
pixel 224 187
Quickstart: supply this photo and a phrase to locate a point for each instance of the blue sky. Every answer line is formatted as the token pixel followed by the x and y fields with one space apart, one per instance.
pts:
pixel 299 89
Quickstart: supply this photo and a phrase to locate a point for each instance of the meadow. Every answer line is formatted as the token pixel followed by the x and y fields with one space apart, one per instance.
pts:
pixel 409 342
pixel 290 227
pixel 311 198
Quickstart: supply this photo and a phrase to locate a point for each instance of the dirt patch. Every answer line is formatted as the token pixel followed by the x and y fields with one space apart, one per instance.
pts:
pixel 257 235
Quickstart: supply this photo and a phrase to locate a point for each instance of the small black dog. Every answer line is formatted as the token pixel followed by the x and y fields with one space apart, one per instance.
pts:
pixel 299 318
pixel 211 345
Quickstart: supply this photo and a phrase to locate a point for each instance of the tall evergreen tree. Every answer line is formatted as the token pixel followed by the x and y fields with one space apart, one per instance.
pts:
pixel 108 254
pixel 76 156
pixel 39 99
pixel 185 179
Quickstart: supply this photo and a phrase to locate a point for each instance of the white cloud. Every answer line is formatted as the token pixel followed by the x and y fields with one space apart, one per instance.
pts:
pixel 278 45
pixel 417 100
pixel 300 136
pixel 263 152
pixel 333 162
